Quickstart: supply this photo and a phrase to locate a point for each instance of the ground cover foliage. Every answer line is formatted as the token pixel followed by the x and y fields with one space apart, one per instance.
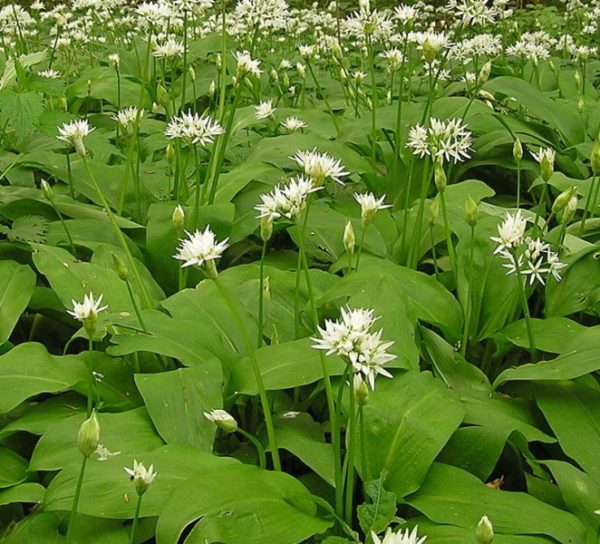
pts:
pixel 321 274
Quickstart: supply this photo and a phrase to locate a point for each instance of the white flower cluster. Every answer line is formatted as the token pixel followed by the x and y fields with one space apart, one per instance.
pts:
pixel 447 139
pixel 529 256
pixel 400 537
pixel 287 201
pixel 199 248
pixel 192 128
pixel 320 166
pixel 351 338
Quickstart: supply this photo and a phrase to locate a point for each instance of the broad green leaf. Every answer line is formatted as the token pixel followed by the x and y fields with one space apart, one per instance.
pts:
pixel 57 447
pixel 22 110
pixel 29 492
pixel 109 493
pixel 452 496
pixel 13 468
pixel 17 282
pixel 551 334
pixel 39 527
pixel 282 366
pixel 581 494
pixel 303 437
pixel 240 504
pixel 379 508
pixel 402 418
pixel 29 370
pixel 582 357
pixel 572 413
pixel 177 400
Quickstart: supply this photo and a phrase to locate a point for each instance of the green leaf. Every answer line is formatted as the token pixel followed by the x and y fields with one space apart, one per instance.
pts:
pixel 28 370
pixel 57 447
pixel 572 413
pixel 29 492
pixel 452 496
pixel 240 504
pixel 17 282
pixel 28 228
pixel 303 437
pixel 109 493
pixel 582 357
pixel 551 334
pixel 380 509
pixel 401 418
pixel 176 401
pixel 13 468
pixel 22 110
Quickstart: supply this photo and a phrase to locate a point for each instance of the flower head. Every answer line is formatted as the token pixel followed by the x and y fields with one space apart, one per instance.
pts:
pixel 320 166
pixel 287 201
pixel 400 537
pixel 223 419
pixel 192 128
pixel 447 139
pixel 545 156
pixel 369 206
pixel 292 124
pixel 510 232
pixel 200 249
pixel 264 110
pixel 169 49
pixel 74 133
pixel 246 65
pixel 104 454
pixel 87 311
pixel 141 477
pixel 128 117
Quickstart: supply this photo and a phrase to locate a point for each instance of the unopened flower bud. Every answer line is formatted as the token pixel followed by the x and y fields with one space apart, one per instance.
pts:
pixel 361 391
pixel 219 61
pixel 595 157
pixel 388 97
pixel 47 190
pixel 565 216
pixel 212 88
pixel 89 87
pixel 429 51
pixel 471 212
pixel 484 531
pixel 274 75
pixel 440 175
pixel 546 167
pixel 577 77
pixel 434 212
pixel 563 199
pixel 162 95
pixel 286 82
pixel 266 228
pixel 580 105
pixel 222 419
pixel 349 238
pixel 337 50
pixel 155 108
pixel 120 267
pixel 62 103
pixel 517 150
pixel 192 73
pixel 178 217
pixel 170 153
pixel 484 73
pixel 88 436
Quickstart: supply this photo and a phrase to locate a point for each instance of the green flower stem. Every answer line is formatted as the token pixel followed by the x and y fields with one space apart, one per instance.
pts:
pixel 323 95
pixel 76 500
pixel 590 203
pixel 518 184
pixel 333 418
pixel 136 519
pixel 70 176
pixel 261 295
pixel 469 304
pixel 136 308
pixel 416 237
pixel 196 212
pixel 363 445
pixel 436 269
pixel 185 59
pixel 223 74
pixel 64 226
pixel 360 245
pixel 124 181
pixel 259 381
pixel 526 313
pixel 448 234
pixel 350 454
pixel 90 402
pixel 373 105
pixel 259 449
pixel 400 98
pixel 136 273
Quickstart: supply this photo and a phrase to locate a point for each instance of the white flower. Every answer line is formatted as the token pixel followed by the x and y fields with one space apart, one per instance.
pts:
pixel 223 419
pixel 199 248
pixel 104 454
pixel 127 117
pixel 405 14
pixel 114 60
pixel 320 166
pixel 510 232
pixel 394 57
pixel 292 124
pixel 287 201
pixel 370 205
pixel 448 139
pixel 141 476
pixel 398 538
pixel 351 339
pixel 193 128
pixel 264 110
pixel 169 49
pixel 49 74
pixel 245 64
pixel 88 309
pixel 74 133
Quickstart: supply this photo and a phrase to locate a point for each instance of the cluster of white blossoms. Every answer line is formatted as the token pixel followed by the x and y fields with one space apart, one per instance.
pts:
pixel 128 117
pixel 400 537
pixel 141 476
pixel 369 206
pixel 74 133
pixel 350 337
pixel 293 124
pixel 88 309
pixel 192 128
pixel 447 139
pixel 169 49
pixel 246 64
pixel 264 110
pixel 200 248
pixel 320 166
pixel 287 201
pixel 525 255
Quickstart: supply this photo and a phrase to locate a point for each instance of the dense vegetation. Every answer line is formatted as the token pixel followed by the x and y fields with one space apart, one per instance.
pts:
pixel 299 274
